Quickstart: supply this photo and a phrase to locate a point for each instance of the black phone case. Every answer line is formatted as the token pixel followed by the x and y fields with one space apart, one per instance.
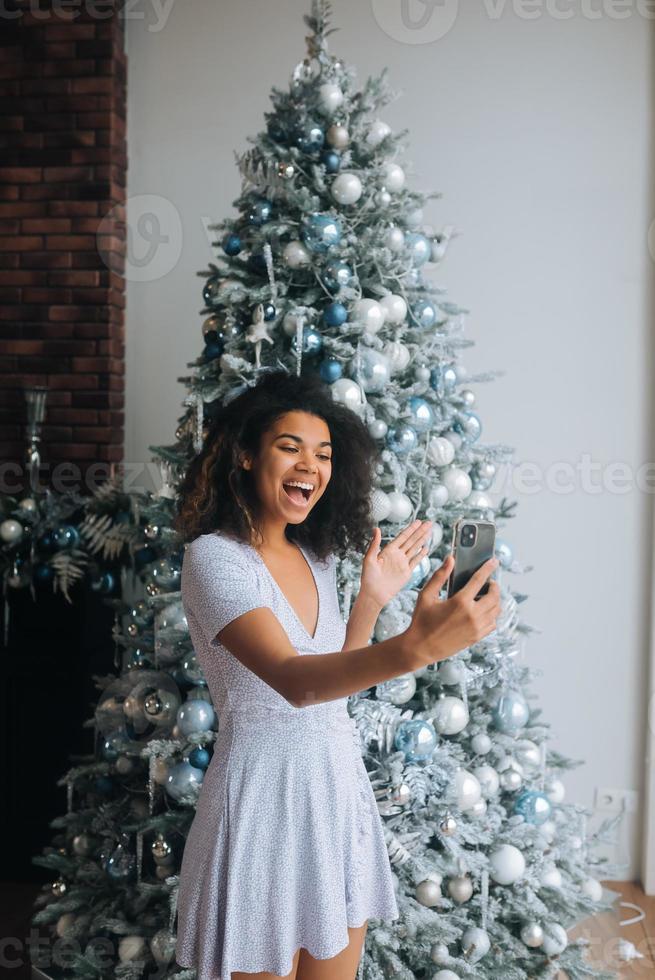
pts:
pixel 468 560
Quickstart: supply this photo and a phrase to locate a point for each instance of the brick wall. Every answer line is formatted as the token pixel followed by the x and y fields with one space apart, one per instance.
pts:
pixel 63 166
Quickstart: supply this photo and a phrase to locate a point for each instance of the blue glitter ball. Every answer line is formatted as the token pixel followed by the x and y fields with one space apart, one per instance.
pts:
pixel 423 314
pixel 331 160
pixel 269 311
pixel 232 244
pixel 416 738
pixel 336 275
pixel 321 231
pixel 330 370
pixel 335 314
pixel 66 536
pixel 533 806
pixel 259 211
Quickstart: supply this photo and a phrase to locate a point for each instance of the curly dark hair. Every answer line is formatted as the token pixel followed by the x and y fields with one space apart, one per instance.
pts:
pixel 216 493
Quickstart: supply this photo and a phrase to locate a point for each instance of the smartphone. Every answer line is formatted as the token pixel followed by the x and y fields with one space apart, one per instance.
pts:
pixel 473 544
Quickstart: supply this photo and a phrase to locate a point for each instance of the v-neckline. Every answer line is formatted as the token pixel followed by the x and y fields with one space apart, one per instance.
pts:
pixel 318 591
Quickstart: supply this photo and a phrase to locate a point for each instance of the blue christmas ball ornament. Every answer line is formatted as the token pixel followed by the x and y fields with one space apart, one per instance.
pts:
pixel 533 806
pixel 104 584
pixel 416 738
pixel 422 414
pixel 232 243
pixel 321 231
pixel 199 757
pixel 183 779
pixel 443 378
pixel 269 312
pixel 196 715
pixel 112 746
pixel 212 350
pixel 312 342
pixel 330 370
pixel 259 211
pixel 309 138
pixel 335 314
pixel 43 573
pixel 468 425
pixel 420 248
pixel 66 536
pixel 210 291
pixel 401 439
pixel 336 275
pixel 331 160
pixel 511 712
pixel 423 314
pixel 277 130
pixel 503 552
pixel 256 263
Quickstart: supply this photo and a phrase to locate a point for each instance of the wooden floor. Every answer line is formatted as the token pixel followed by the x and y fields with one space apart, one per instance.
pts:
pixel 602 931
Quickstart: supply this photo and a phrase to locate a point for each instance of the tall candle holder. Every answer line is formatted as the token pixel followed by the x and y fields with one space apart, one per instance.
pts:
pixel 35 399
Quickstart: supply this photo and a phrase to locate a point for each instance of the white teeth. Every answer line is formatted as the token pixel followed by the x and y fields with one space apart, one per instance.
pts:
pixel 297 483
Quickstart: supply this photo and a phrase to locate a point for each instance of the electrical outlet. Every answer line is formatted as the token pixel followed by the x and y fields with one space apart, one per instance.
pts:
pixel 615 800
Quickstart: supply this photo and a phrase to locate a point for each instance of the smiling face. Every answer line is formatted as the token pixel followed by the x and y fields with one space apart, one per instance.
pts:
pixel 295 450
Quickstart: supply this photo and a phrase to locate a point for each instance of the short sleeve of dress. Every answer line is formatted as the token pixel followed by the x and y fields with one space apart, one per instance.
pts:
pixel 218 584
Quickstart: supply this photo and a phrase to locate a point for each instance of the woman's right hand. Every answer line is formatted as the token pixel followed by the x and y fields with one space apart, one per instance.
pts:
pixel 442 627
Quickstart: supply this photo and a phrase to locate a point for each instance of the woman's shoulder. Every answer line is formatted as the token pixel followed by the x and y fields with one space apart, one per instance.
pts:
pixel 217 544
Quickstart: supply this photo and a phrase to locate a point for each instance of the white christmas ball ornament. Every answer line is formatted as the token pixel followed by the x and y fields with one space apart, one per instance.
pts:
pixel 450 716
pixel 452 672
pixel 65 923
pixel 383 198
pixel 475 943
pixel 441 452
pixel 532 935
pixel 548 830
pixel 527 753
pixel 346 189
pixel 369 314
pixel 160 771
pixel 445 975
pixel 507 864
pixel 330 97
pixel 394 307
pixel 428 892
pixel 488 779
pixel 131 948
pixel 378 132
pixel 457 482
pixel 551 877
pixel 460 888
pixel 481 743
pixel 438 495
pixel 393 177
pixel 338 137
pixel 479 500
pixel 398 356
pixel 391 622
pixel 347 392
pixel 478 809
pixel 439 953
pixel 295 255
pixel 555 790
pixel 11 531
pixel 378 428
pixel 467 789
pixel 380 505
pixel 290 323
pixel 400 506
pixel 555 939
pixel 593 889
pixel 396 239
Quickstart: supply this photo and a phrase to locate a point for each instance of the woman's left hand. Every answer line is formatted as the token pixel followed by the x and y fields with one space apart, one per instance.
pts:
pixel 386 571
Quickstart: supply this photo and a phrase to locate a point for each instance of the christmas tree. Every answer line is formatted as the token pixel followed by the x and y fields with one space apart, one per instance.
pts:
pixel 326 269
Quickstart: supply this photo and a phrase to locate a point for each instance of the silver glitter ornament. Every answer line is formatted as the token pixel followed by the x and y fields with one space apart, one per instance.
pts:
pixel 448 825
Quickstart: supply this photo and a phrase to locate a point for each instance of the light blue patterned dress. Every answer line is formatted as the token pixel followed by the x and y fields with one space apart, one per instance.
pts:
pixel 286 848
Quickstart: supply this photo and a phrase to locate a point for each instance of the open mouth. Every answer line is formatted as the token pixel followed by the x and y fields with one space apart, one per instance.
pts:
pixel 298 495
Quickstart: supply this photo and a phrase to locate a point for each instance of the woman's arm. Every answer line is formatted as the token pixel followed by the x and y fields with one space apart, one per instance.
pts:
pixel 361 622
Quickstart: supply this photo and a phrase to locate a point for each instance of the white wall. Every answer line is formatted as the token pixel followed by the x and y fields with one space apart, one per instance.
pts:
pixel 538 134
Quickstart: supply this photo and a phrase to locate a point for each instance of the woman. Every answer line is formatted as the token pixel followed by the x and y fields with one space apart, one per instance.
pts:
pixel 285 860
